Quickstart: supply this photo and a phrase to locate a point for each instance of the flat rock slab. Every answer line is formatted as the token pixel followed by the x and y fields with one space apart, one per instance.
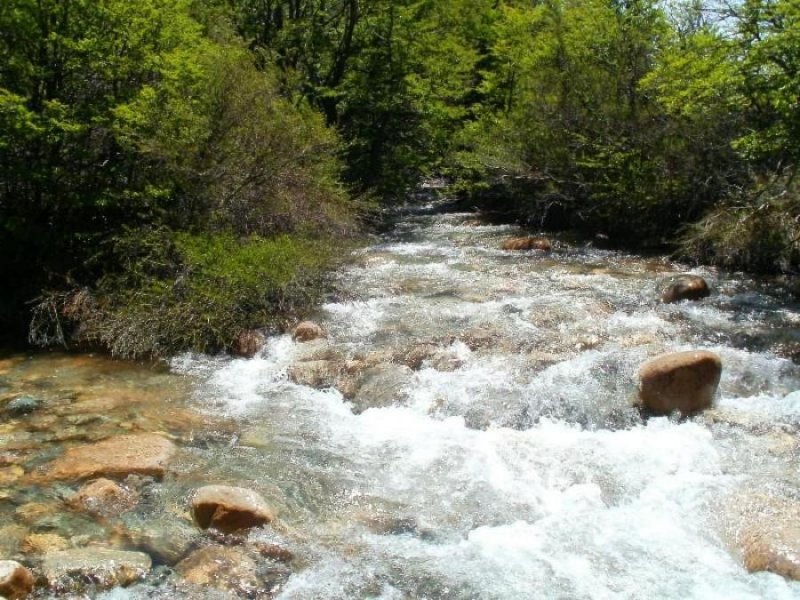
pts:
pixel 140 454
pixel 230 509
pixel 72 570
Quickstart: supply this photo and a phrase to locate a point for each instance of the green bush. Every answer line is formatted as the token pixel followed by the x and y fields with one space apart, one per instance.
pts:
pixel 757 231
pixel 182 291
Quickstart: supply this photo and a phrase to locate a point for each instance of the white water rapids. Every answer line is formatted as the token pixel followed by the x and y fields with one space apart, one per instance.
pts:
pixel 510 465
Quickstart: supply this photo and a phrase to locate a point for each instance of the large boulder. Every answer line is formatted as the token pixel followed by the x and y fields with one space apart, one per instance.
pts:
pixel 15 580
pixel 528 243
pixel 307 331
pixel 72 570
pixel 686 287
pixel 230 509
pixel 141 454
pixel 682 381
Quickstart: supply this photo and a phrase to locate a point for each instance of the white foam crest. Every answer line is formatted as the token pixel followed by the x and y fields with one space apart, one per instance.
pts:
pixel 767 407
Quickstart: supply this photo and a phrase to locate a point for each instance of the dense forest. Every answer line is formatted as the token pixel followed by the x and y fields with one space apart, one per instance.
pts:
pixel 176 172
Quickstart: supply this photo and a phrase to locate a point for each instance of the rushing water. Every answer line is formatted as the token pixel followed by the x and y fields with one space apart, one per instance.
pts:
pixel 508 462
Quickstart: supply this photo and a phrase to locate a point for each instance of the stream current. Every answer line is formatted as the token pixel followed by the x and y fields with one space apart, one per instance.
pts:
pixel 471 434
pixel 510 464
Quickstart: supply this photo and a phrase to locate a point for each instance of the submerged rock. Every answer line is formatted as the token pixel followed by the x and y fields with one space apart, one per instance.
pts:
pixel 15 580
pixel 141 454
pixel 166 540
pixel 23 405
pixel 769 533
pixel 307 331
pixel 528 243
pixel 230 509
pixel 686 287
pixel 248 343
pixel 103 497
pixel 73 570
pixel 314 373
pixel 682 381
pixel 233 570
pixel 43 543
pixel 382 386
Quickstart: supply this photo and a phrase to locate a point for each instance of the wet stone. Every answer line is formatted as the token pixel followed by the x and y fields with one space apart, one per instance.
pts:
pixel 167 541
pixel 234 570
pixel 24 405
pixel 75 570
pixel 679 381
pixel 687 287
pixel 42 543
pixel 142 454
pixel 382 386
pixel 15 580
pixel 103 497
pixel 230 509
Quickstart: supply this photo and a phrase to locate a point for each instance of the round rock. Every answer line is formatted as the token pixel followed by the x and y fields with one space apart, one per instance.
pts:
pixel 682 381
pixel 687 287
pixel 230 509
pixel 528 243
pixel 307 331
pixel 15 580
pixel 248 343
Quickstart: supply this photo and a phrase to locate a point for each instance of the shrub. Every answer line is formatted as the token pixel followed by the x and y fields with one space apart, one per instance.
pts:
pixel 181 291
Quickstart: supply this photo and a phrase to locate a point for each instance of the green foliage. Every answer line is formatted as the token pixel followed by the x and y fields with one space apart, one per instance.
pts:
pixel 122 117
pixel 757 230
pixel 181 291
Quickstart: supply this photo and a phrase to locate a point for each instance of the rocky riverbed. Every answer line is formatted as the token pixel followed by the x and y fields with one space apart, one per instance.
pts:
pixel 464 420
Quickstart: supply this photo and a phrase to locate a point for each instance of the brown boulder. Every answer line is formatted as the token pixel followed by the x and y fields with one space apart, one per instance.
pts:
pixel 682 381
pixel 248 343
pixel 687 287
pixel 307 331
pixel 15 580
pixel 230 509
pixel 103 497
pixel 141 454
pixel 528 243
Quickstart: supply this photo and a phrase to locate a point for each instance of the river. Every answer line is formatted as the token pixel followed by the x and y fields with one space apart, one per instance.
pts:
pixel 466 430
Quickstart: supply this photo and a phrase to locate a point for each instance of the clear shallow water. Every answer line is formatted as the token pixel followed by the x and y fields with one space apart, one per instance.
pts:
pixel 513 467
pixel 508 463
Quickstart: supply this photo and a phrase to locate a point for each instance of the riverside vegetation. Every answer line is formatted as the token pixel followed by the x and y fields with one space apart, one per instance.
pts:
pixel 176 172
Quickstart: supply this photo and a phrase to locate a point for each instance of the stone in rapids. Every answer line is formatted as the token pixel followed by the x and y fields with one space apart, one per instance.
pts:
pixel 248 343
pixel 682 381
pixel 140 454
pixel 687 287
pixel 307 331
pixel 230 509
pixel 15 580
pixel 528 243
